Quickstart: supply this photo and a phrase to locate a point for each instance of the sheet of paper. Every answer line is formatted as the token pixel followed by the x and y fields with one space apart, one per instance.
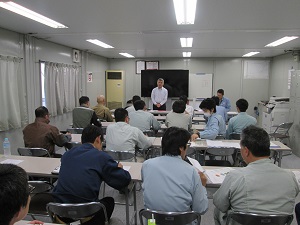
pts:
pixel 228 144
pixel 217 176
pixel 196 164
pixel 127 168
pixel 198 143
pixel 11 161
pixel 272 145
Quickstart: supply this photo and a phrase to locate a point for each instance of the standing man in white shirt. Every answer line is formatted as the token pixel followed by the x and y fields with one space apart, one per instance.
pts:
pixel 159 96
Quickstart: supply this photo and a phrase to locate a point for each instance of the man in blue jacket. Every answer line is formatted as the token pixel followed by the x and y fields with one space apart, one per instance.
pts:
pixel 82 171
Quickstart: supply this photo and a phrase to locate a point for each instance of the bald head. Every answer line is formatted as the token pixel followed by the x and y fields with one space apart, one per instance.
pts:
pixel 101 99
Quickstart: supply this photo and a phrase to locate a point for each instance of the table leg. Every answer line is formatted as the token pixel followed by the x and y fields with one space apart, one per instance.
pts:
pixel 127 205
pixel 279 158
pixel 134 203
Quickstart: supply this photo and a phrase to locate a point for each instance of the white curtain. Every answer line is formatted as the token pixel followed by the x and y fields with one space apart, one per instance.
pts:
pixel 12 94
pixel 61 87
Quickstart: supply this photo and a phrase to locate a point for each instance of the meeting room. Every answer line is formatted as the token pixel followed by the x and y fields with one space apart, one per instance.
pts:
pixel 150 112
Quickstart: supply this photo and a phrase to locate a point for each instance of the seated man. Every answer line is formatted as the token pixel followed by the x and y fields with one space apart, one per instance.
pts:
pixel 84 168
pixel 223 101
pixel 215 125
pixel 188 108
pixel 41 134
pixel 171 184
pixel 261 187
pixel 131 108
pixel 142 119
pixel 220 109
pixel 83 115
pixel 177 117
pixel 101 110
pixel 14 194
pixel 242 120
pixel 123 137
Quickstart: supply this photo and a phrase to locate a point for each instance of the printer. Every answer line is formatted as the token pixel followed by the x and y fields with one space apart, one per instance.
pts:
pixel 275 112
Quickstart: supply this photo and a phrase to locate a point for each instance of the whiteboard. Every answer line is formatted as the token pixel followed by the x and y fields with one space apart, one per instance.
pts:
pixel 200 85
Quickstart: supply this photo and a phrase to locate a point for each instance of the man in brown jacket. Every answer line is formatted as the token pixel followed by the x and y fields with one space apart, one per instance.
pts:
pixel 40 134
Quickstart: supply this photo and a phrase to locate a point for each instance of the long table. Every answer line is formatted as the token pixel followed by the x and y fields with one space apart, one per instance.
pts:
pixel 36 166
pixel 43 167
pixel 202 145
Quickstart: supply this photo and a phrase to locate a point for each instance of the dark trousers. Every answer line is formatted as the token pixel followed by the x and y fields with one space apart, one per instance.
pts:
pixel 99 218
pixel 162 107
pixel 297 212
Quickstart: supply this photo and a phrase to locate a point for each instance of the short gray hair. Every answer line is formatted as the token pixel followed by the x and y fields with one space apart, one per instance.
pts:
pixel 160 79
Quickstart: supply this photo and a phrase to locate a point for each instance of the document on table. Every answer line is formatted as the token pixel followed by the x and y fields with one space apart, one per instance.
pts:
pixel 11 161
pixel 272 145
pixel 127 168
pixel 222 144
pixel 217 176
pixel 196 164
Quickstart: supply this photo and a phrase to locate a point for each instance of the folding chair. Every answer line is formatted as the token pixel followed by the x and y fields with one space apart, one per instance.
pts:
pixel 38 152
pixel 169 218
pixel 281 132
pixel 259 219
pixel 73 212
pixel 223 152
pixel 75 130
pixel 40 197
pixel 121 156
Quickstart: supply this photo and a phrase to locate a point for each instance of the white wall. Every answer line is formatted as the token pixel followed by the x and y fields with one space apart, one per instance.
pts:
pixel 11 44
pixel 280 66
pixel 227 74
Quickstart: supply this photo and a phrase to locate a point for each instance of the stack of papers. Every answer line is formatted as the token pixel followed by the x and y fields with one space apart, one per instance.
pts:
pixel 11 161
pixel 196 164
pixel 217 176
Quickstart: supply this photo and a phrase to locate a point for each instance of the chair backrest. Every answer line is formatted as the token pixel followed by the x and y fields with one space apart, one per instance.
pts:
pixel 283 128
pixel 70 145
pixel 220 151
pixel 191 152
pixel 40 186
pixel 121 156
pixel 220 137
pixel 75 211
pixel 38 152
pixel 234 136
pixel 149 133
pixel 259 219
pixel 169 218
pixel 75 130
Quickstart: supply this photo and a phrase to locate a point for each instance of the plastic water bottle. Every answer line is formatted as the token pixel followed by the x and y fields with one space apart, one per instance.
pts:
pixel 6 147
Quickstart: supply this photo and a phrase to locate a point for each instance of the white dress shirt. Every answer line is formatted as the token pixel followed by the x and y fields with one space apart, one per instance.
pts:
pixel 121 136
pixel 159 95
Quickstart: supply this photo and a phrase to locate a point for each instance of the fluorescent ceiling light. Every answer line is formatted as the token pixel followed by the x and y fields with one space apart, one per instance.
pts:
pixel 99 43
pixel 250 54
pixel 281 41
pixel 11 6
pixel 185 11
pixel 186 54
pixel 186 42
pixel 126 55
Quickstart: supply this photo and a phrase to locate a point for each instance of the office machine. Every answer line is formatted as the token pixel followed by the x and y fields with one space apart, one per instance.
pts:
pixel 275 112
